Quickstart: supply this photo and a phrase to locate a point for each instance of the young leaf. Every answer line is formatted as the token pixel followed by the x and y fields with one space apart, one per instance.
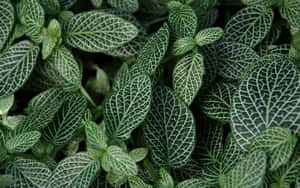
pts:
pixel 278 142
pixel 166 179
pixel 66 4
pixel 136 182
pixel 187 77
pixel 183 45
pixel 126 108
pixel 116 179
pixel 267 3
pixel 138 154
pixel 182 19
pixel 7 20
pixel 96 31
pixel 217 102
pixel 22 142
pixel 258 104
pixel 96 137
pixel 208 36
pixel 76 170
pixel 16 65
pixel 250 25
pixel 97 3
pixel 120 162
pixel 28 173
pixel 6 103
pixel 169 129
pixel 125 5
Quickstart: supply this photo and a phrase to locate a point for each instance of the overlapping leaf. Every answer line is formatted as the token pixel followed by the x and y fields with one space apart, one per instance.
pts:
pixel 183 45
pixel 193 183
pixel 96 137
pixel 266 3
pixel 138 154
pixel 122 77
pixel 97 3
pixel 66 4
pixel 6 103
pixel 50 6
pixel 208 36
pixel 290 10
pixel 136 182
pixel 125 5
pixel 7 20
pixel 22 142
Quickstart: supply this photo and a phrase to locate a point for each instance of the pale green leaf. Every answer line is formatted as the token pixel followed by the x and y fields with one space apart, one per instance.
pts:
pixel 249 172
pixel 22 142
pixel 266 3
pixel 95 136
pixel 75 171
pixel 165 180
pixel 6 180
pixel 100 84
pixel 7 20
pixel 193 183
pixel 249 25
pixel 216 103
pixel 50 6
pixel 66 121
pixel 16 65
pixel 234 59
pixel 125 5
pixel 152 53
pixel 119 161
pixel 290 10
pixel 169 129
pixel 182 19
pixel 138 154
pixel 48 45
pixel 268 96
pixel 66 4
pixel 209 36
pixel 97 3
pixel 136 182
pixel 6 103
pixel 126 108
pixel 183 45
pixel 115 179
pixel 96 31
pixel 28 173
pixel 122 77
pixel 187 76
pixel 278 143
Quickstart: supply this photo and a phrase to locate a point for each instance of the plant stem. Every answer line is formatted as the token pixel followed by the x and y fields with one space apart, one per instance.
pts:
pixel 87 96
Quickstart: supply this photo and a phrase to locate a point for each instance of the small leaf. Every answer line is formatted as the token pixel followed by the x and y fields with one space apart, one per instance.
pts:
pixel 138 154
pixel 125 5
pixel 136 182
pixel 99 84
pixel 96 137
pixel 6 103
pixel 96 31
pixel 22 142
pixel 16 65
pixel 7 20
pixel 187 77
pixel 115 179
pixel 66 4
pixel 97 3
pixel 290 10
pixel 209 36
pixel 168 117
pixel 125 109
pixel 249 25
pixel 166 179
pixel 49 44
pixel 119 161
pixel 183 45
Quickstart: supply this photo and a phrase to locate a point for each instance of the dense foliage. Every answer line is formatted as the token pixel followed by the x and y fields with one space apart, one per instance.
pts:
pixel 149 93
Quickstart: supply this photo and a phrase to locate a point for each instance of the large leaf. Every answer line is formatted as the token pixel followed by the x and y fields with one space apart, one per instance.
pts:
pixel 125 5
pixel 250 25
pixel 120 162
pixel 234 59
pixel 169 129
pixel 216 103
pixel 96 31
pixel 249 172
pixel 7 20
pixel 22 142
pixel 279 144
pixel 66 121
pixel 16 65
pixel 28 173
pixel 127 108
pixel 268 96
pixel 187 76
pixel 290 10
pixel 208 36
pixel 75 171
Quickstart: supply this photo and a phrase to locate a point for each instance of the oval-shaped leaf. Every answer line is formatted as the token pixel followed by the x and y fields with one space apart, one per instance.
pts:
pixel 16 65
pixel 266 3
pixel 169 129
pixel 97 3
pixel 136 182
pixel 22 142
pixel 187 77
pixel 209 36
pixel 138 154
pixel 290 10
pixel 125 5
pixel 250 25
pixel 96 31
pixel 95 136
pixel 183 45
pixel 6 103
pixel 7 20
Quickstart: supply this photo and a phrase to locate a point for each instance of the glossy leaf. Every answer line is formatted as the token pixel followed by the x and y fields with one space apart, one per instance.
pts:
pixel 209 36
pixel 7 20
pixel 125 5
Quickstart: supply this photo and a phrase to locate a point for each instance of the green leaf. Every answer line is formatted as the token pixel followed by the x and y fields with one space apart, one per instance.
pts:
pixel 249 172
pixel 16 65
pixel 99 84
pixel 166 180
pixel 125 5
pixel 60 70
pixel 268 96
pixel 235 59
pixel 183 45
pixel 249 25
pixel 96 31
pixel 122 77
pixel 66 4
pixel 209 36
pixel 278 143
pixel 31 14
pixel 115 179
pixel 193 183
pixel 28 173
pixel 120 162
pixel 6 180
pixel 66 121
pixel 138 154
pixel 127 108
pixel 267 3
pixel 217 102
pixel 6 103
pixel 136 182
pixel 97 3
pixel 95 135
pixel 75 171
pixel 7 20
pixel 154 50
pixel 187 76
pixel 182 19
pixel 48 46
pixel 50 6
pixel 22 142
pixel 290 10
pixel 169 129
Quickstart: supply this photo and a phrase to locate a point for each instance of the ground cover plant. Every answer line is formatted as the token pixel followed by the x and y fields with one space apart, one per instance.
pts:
pixel 149 93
